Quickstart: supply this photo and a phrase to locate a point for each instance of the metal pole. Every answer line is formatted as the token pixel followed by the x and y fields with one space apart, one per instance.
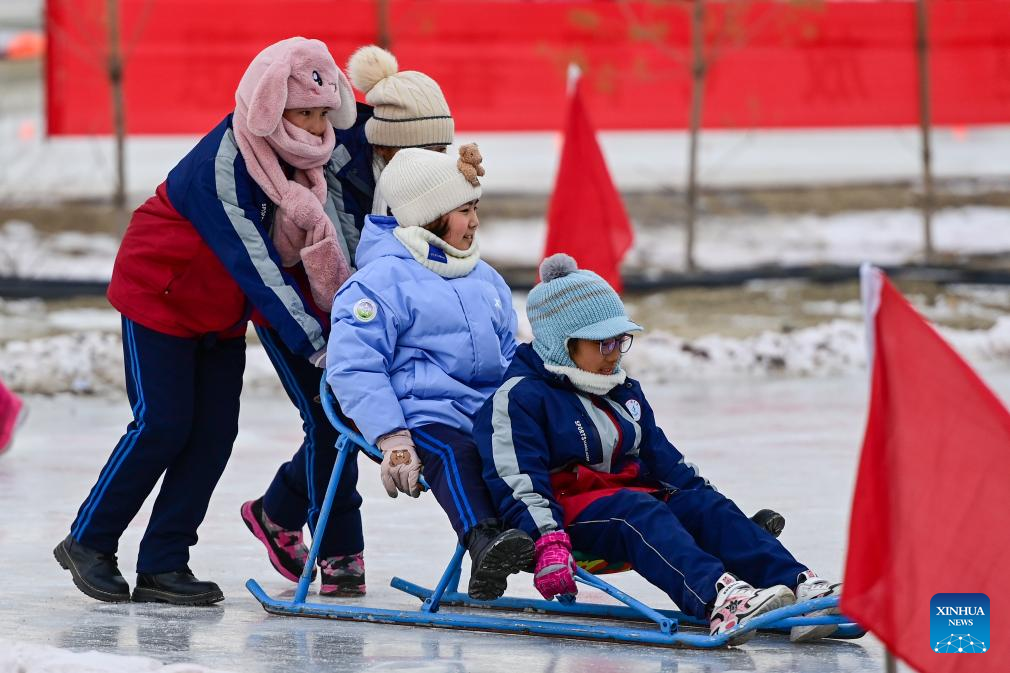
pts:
pixel 698 67
pixel 383 38
pixel 890 664
pixel 115 69
pixel 925 115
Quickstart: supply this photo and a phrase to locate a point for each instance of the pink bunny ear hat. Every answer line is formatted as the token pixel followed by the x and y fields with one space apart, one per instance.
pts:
pixel 296 73
pixel 293 73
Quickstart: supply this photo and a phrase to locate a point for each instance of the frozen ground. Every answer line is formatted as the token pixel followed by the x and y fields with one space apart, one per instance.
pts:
pixel 789 444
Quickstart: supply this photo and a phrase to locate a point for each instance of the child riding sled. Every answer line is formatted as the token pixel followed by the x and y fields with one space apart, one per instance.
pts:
pixel 421 336
pixel 573 456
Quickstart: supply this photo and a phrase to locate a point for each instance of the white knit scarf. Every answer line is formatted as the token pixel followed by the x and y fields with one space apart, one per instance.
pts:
pixel 589 382
pixel 419 241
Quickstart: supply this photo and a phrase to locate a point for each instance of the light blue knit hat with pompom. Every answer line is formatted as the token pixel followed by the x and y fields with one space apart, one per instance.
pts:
pixel 572 303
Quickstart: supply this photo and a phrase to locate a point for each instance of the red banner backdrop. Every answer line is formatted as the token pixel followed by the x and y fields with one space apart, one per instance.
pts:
pixel 502 64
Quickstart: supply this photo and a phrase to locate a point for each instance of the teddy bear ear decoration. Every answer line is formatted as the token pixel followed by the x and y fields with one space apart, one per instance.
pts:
pixel 469 163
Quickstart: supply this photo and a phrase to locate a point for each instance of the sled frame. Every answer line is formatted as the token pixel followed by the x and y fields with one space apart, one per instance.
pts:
pixel 631 622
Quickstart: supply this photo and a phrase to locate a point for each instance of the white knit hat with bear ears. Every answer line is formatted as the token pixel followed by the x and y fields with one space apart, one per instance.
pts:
pixel 421 186
pixel 410 110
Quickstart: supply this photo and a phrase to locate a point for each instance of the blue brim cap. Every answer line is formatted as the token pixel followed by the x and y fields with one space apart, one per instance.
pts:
pixel 606 329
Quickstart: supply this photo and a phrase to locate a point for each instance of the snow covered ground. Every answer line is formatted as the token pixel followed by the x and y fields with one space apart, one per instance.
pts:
pixel 763 330
pixel 791 444
pixel 886 237
pixel 34 169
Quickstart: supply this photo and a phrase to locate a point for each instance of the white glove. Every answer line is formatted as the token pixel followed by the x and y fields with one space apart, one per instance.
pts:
pixel 401 468
pixel 318 359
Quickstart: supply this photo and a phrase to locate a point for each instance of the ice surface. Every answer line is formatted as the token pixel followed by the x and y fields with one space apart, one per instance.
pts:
pixel 32 658
pixel 790 444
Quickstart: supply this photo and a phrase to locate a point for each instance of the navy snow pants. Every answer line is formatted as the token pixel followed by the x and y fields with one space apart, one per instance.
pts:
pixel 185 398
pixel 296 493
pixel 684 544
pixel 452 468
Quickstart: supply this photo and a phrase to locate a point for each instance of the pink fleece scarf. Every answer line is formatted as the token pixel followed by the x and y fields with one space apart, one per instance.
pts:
pixel 302 231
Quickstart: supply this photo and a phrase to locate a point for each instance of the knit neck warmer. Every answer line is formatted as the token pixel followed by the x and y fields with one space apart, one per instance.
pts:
pixel 433 253
pixel 589 382
pixel 301 230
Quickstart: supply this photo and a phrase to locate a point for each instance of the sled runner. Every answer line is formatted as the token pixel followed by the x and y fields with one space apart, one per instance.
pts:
pixel 631 622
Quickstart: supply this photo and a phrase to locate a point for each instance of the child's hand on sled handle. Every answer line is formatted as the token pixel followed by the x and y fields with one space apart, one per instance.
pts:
pixel 401 468
pixel 554 574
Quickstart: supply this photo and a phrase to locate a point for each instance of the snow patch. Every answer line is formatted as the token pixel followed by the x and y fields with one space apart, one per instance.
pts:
pixel 26 253
pixel 883 237
pixel 91 363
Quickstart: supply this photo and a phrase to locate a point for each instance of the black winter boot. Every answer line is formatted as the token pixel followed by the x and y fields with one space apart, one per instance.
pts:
pixel 770 520
pixel 95 573
pixel 494 555
pixel 178 588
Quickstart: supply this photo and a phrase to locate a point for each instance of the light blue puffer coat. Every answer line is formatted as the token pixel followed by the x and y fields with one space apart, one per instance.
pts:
pixel 408 347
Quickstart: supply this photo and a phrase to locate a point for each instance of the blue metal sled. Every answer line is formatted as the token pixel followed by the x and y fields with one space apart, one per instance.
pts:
pixel 646 626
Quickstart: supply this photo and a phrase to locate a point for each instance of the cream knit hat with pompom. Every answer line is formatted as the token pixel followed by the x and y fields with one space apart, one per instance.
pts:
pixel 410 110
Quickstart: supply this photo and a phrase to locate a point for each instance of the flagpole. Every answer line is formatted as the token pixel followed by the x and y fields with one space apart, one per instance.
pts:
pixel 574 73
pixel 925 120
pixel 698 67
pixel 869 291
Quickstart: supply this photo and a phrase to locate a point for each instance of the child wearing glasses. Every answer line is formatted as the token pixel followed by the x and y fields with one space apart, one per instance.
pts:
pixel 573 456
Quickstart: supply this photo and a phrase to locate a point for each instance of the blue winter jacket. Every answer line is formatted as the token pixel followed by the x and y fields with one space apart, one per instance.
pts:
pixel 408 347
pixel 538 424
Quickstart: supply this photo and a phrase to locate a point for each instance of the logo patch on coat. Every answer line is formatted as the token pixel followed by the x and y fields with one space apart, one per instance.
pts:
pixel 635 409
pixel 437 254
pixel 364 310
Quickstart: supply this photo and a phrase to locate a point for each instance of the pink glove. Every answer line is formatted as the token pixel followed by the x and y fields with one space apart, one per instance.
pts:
pixel 555 570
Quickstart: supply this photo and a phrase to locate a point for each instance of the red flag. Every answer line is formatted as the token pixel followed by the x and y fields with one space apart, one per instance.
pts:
pixel 586 218
pixel 932 493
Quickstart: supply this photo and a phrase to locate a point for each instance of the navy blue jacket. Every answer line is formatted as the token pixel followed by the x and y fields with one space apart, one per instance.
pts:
pixel 350 182
pixel 538 425
pixel 198 253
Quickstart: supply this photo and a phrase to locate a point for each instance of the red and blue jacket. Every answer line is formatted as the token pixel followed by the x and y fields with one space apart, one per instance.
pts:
pixel 197 257
pixel 549 449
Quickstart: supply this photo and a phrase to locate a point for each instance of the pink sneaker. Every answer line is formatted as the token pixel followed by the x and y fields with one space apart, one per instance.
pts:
pixel 738 602
pixel 343 576
pixel 285 548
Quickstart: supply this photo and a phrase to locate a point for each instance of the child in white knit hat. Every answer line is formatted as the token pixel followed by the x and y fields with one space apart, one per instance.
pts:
pixel 421 335
pixel 408 110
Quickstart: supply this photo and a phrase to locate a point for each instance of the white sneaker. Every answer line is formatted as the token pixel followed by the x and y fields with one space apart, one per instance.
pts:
pixel 738 602
pixel 810 587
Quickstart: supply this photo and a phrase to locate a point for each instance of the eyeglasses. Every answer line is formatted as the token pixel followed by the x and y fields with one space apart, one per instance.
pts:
pixel 623 342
